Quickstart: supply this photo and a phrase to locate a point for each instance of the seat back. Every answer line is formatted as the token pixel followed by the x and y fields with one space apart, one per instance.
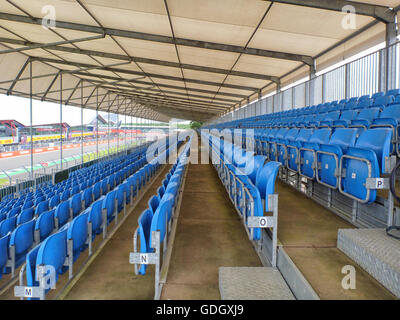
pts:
pixel 265 180
pixel 154 201
pixel 54 201
pixel 78 232
pixel 368 114
pixel 22 238
pixel 7 226
pixel 377 140
pixel 144 223
pixel 95 216
pixel 4 251
pixel 14 212
pixel 87 196
pixel 97 190
pixel 62 213
pixel 53 251
pixel 109 204
pixel 65 195
pixel 42 207
pixel 392 112
pixel 320 136
pixel 45 224
pixel 304 135
pixel 344 137
pixel 25 216
pixel 161 191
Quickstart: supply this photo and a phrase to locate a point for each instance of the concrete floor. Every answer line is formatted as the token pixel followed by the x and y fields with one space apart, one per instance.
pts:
pixel 308 233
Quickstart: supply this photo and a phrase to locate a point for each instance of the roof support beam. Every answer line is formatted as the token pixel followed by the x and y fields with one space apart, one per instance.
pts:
pixel 49 87
pixel 152 75
pixel 18 76
pixel 182 103
pixel 161 38
pixel 73 92
pixel 135 59
pixel 382 13
pixel 30 45
pixel 171 100
pixel 195 101
pixel 91 95
pixel 108 86
pixel 164 85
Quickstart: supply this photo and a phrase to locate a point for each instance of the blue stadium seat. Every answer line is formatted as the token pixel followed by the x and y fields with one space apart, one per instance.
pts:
pixel 153 202
pixel 30 272
pixel 75 189
pixel 330 154
pixel 95 217
pixel 104 187
pixel 97 191
pixel 25 216
pixel 308 152
pixel 109 205
pixel 53 252
pixel 62 214
pixel 161 191
pixel 365 117
pixel 54 201
pixel 78 234
pixel 3 252
pixel 21 240
pixel 144 222
pixel 75 204
pixel 42 207
pixel 371 148
pixel 345 118
pixel 390 117
pixel 294 146
pixel 87 197
pixel 44 225
pixel 65 195
pixel 7 225
pixel 14 212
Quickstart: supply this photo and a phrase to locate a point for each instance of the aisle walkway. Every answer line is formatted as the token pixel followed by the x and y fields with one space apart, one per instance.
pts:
pixel 209 235
pixel 308 233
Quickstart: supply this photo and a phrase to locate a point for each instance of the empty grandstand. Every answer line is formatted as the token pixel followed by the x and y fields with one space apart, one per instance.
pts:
pixel 200 150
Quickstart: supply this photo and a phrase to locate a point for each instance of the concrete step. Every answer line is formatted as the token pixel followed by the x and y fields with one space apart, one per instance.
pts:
pixel 375 252
pixel 253 283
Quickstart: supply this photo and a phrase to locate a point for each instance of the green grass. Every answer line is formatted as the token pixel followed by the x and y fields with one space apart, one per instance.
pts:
pixel 103 153
pixel 4 182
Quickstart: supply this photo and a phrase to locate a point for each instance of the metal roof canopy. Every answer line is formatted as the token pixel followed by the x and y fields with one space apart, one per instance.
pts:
pixel 163 59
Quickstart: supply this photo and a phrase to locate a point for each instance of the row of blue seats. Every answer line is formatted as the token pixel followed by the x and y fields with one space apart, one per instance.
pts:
pixel 32 226
pixel 248 178
pixel 77 177
pixel 66 189
pixel 337 158
pixel 61 249
pixel 161 207
pixel 70 201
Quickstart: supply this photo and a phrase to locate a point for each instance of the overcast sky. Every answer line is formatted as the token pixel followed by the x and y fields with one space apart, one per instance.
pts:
pixel 16 108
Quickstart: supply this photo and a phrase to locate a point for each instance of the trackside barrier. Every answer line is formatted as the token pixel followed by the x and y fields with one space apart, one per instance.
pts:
pixel 71 235
pixel 153 231
pixel 250 183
